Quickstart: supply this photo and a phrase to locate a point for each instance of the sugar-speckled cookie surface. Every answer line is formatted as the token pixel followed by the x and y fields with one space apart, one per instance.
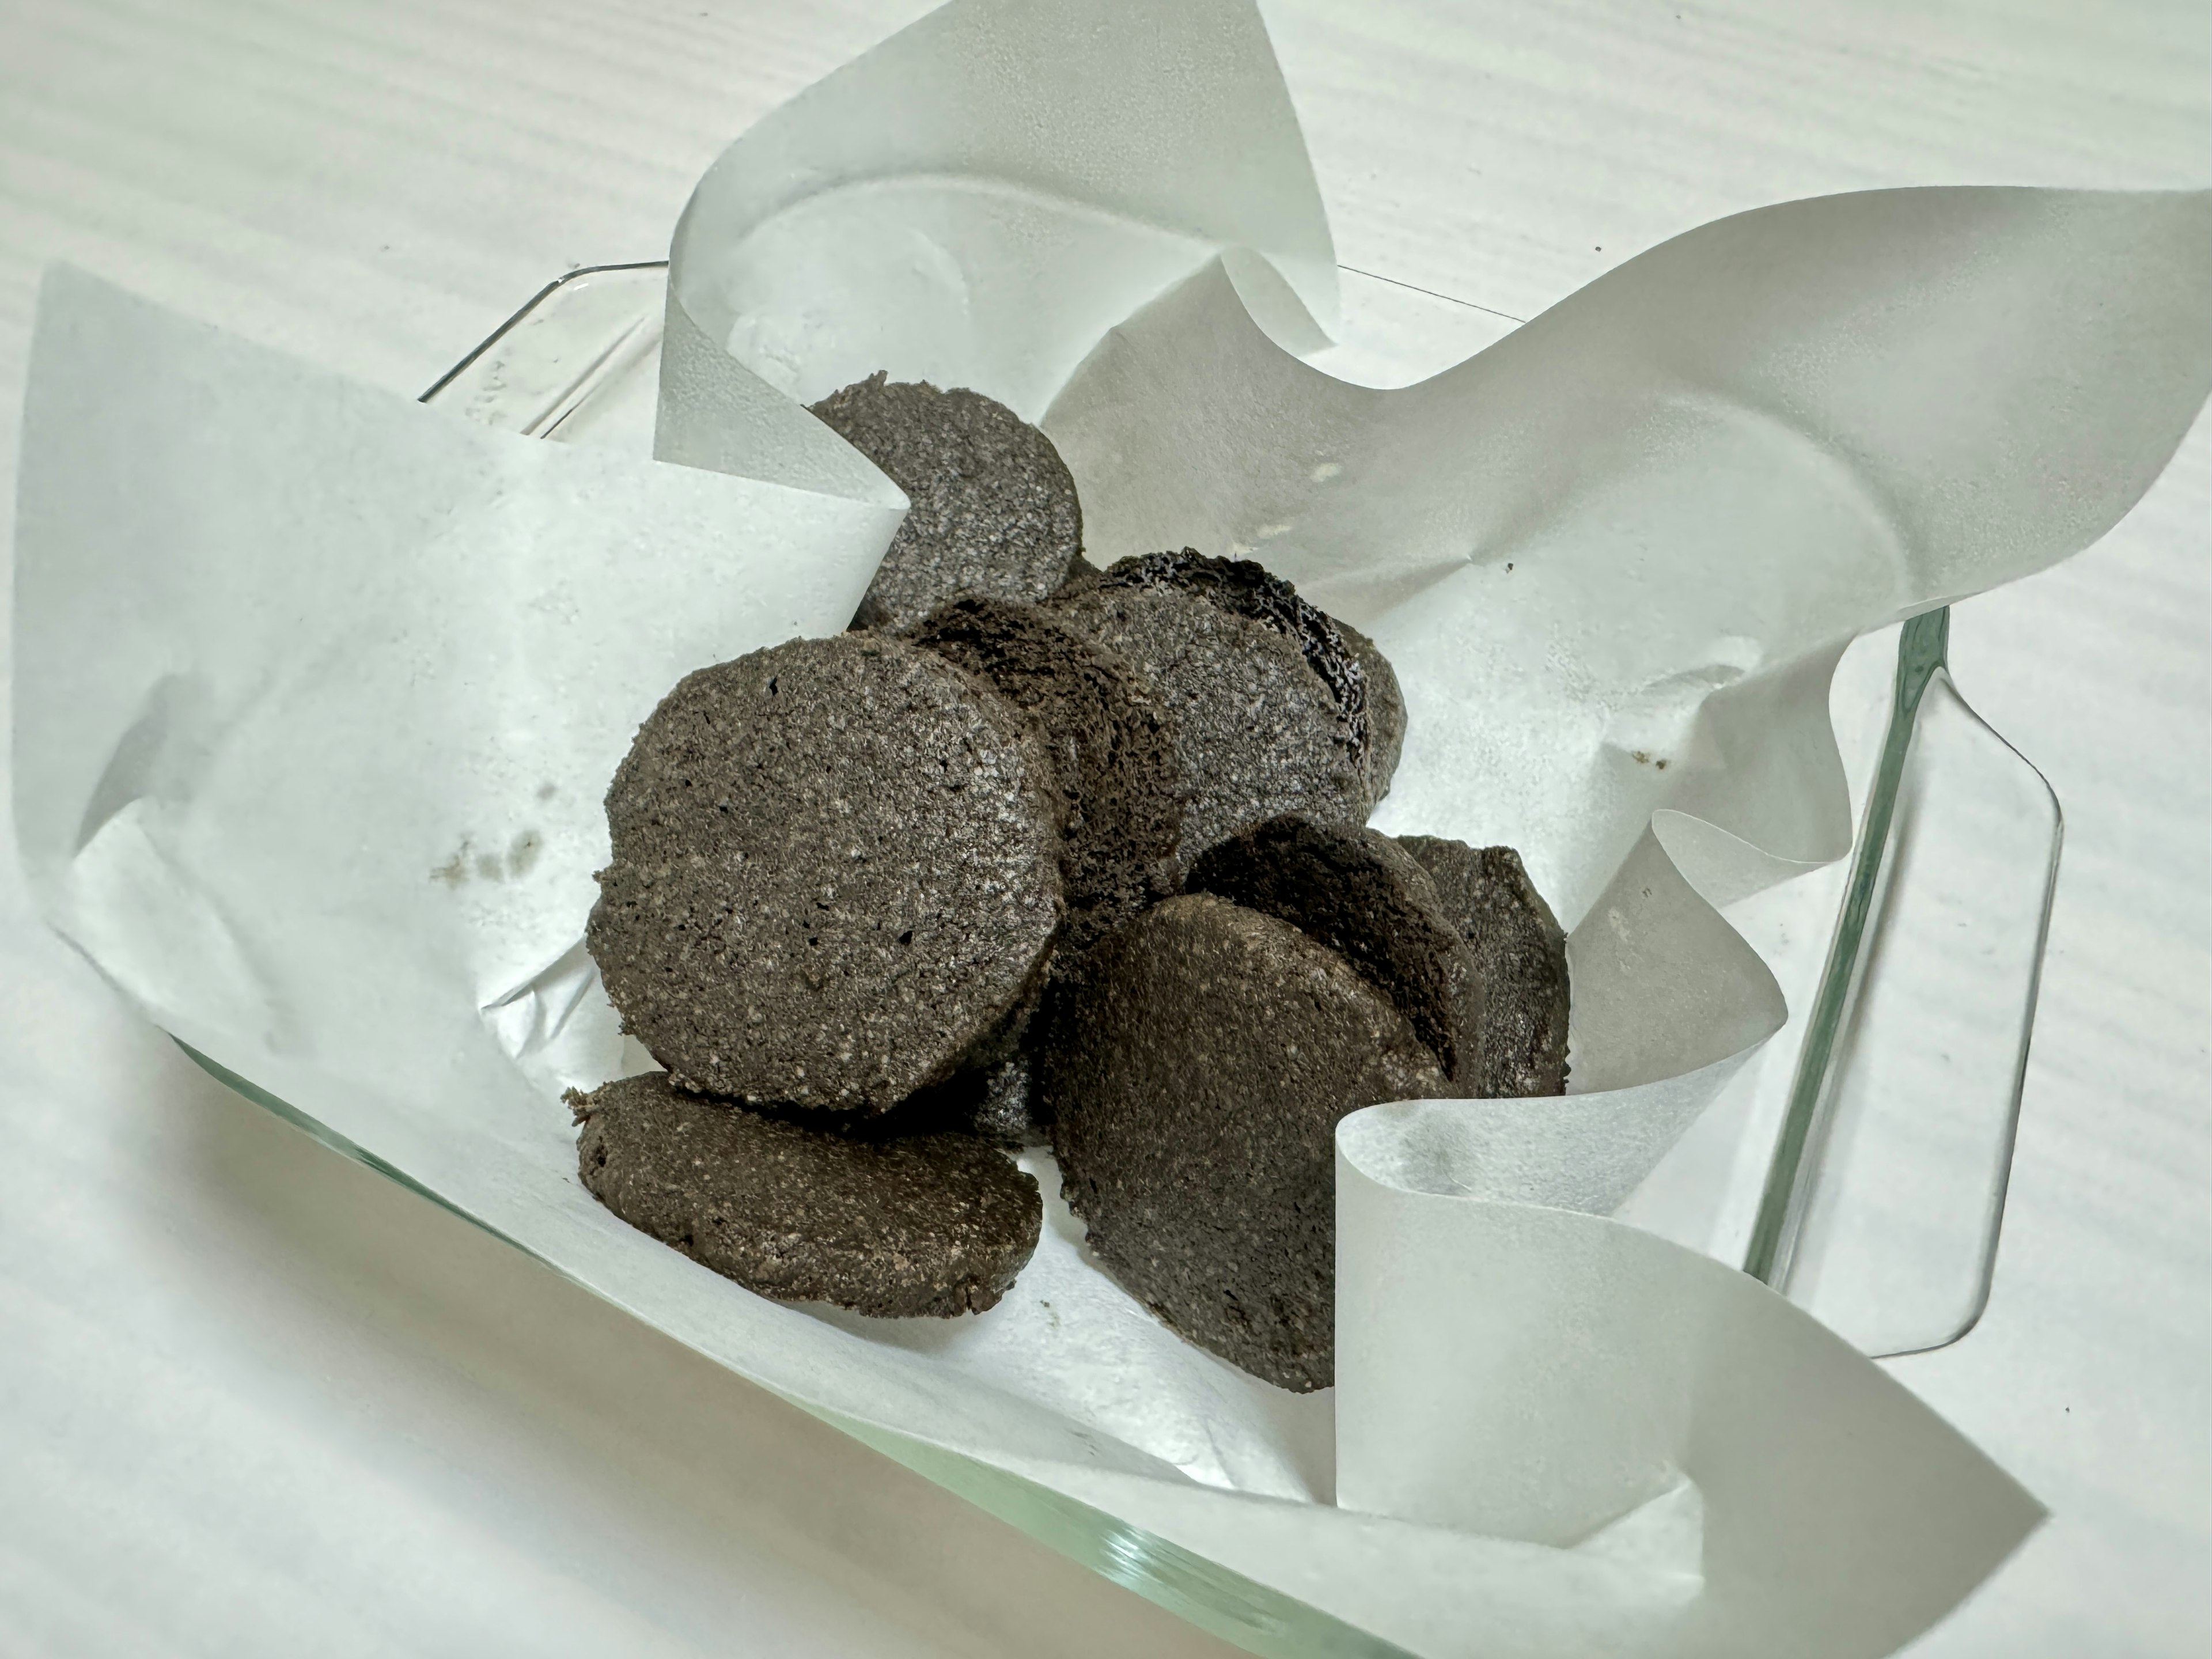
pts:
pixel 992 509
pixel 925 1224
pixel 836 873
pixel 1520 955
pixel 1359 893
pixel 1196 1076
pixel 1259 730
pixel 1386 711
pixel 1111 749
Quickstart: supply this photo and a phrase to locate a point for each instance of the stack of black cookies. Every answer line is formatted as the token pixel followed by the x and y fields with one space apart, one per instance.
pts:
pixel 1039 853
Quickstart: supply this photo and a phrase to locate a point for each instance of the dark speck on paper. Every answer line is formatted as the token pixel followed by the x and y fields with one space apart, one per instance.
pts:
pixel 455 870
pixel 523 853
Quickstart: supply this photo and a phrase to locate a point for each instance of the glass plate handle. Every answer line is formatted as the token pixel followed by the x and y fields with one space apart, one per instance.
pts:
pixel 1887 1189
pixel 547 371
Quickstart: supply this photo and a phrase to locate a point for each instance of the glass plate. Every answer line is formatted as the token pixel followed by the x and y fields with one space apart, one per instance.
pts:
pixel 1866 1180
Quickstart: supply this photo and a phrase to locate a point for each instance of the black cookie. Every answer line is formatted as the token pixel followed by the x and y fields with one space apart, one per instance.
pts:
pixel 1357 891
pixel 1257 731
pixel 934 1223
pixel 1110 746
pixel 835 874
pixel 993 508
pixel 1521 956
pixel 1243 588
pixel 1195 1077
pixel 1386 711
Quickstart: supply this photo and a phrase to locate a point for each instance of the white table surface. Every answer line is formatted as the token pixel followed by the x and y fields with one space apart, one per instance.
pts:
pixel 255 1400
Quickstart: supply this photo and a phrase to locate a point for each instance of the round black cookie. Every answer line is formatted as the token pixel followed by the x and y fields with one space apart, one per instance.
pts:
pixel 835 874
pixel 1195 1078
pixel 1111 749
pixel 1243 588
pixel 993 509
pixel 931 1224
pixel 1259 730
pixel 1520 955
pixel 1386 711
pixel 1357 891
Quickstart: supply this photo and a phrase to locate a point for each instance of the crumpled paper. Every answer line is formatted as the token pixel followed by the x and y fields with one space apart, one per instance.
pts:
pixel 317 691
pixel 1636 530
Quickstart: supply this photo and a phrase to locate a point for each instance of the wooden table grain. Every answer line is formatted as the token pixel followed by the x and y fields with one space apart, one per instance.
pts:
pixel 254 1400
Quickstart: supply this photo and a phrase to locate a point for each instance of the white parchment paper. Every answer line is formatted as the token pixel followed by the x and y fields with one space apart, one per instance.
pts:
pixel 318 690
pixel 1635 533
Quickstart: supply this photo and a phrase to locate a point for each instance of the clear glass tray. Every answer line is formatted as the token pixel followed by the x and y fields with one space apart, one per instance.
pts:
pixel 1860 1168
